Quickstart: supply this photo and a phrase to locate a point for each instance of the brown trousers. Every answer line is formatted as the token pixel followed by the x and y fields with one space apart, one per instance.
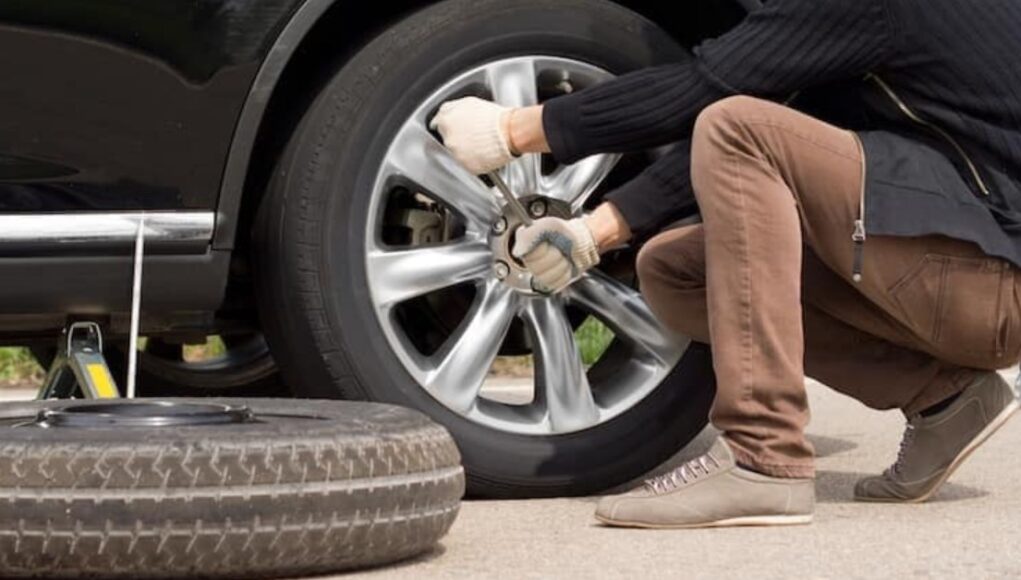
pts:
pixel 767 280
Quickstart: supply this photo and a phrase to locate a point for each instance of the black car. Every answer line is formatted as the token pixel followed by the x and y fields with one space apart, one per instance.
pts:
pixel 297 205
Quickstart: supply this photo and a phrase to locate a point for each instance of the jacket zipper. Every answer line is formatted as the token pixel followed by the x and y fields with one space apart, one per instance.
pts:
pixel 859 236
pixel 911 114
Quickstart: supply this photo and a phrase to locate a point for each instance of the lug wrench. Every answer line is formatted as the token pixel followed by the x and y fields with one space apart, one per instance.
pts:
pixel 517 208
pixel 512 200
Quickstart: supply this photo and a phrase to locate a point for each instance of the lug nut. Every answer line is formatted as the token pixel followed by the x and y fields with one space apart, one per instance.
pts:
pixel 500 226
pixel 538 208
pixel 502 270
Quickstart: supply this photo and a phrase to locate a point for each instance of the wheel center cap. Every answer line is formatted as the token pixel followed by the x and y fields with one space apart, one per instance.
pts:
pixel 507 267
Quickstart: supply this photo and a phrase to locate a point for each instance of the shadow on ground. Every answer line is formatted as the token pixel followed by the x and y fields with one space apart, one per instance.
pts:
pixel 838 487
pixel 435 553
pixel 831 486
pixel 824 447
pixel 830 446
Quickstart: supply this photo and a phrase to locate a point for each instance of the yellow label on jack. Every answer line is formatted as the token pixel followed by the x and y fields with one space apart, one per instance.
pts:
pixel 102 381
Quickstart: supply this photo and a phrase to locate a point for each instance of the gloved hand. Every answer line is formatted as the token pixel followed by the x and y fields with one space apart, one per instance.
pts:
pixel 475 132
pixel 556 251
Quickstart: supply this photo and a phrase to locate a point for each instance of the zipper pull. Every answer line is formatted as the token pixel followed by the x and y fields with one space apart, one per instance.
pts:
pixel 858 237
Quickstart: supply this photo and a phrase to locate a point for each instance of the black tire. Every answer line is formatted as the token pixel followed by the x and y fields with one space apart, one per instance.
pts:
pixel 309 241
pixel 312 487
pixel 163 374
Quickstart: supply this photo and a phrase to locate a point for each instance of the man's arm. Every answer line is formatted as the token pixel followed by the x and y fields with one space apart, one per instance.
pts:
pixel 786 46
pixel 658 195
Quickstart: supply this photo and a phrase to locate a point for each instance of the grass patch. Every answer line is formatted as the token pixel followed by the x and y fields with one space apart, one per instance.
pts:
pixel 593 338
pixel 18 366
pixel 213 348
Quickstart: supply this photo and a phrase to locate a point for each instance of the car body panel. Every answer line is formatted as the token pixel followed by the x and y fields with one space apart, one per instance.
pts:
pixel 252 115
pixel 113 105
pixel 108 107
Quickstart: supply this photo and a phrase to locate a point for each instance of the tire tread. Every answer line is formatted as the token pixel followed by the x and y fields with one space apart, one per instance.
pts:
pixel 242 505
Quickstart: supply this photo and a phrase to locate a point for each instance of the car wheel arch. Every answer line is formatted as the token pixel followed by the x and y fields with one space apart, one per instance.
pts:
pixel 268 115
pixel 264 125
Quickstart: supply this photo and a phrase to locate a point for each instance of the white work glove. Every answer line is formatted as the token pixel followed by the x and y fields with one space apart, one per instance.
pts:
pixel 473 130
pixel 556 252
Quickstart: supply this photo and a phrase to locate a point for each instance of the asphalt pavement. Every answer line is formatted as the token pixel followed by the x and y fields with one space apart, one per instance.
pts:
pixel 971 529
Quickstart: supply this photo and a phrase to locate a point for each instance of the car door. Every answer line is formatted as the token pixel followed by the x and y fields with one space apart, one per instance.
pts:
pixel 124 104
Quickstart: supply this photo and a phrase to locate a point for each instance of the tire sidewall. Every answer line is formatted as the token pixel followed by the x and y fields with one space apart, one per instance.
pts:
pixel 256 499
pixel 334 170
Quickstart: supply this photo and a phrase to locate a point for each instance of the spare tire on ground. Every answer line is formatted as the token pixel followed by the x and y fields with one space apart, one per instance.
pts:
pixel 219 488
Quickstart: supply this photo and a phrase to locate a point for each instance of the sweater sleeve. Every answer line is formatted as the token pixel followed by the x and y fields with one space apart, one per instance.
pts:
pixel 658 195
pixel 784 47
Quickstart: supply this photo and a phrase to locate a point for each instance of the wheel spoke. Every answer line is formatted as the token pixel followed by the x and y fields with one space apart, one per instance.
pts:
pixel 523 175
pixel 462 365
pixel 401 275
pixel 576 183
pixel 560 372
pixel 514 84
pixel 455 373
pixel 417 156
pixel 624 309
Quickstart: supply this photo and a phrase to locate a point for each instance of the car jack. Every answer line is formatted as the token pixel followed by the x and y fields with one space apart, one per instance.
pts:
pixel 80 370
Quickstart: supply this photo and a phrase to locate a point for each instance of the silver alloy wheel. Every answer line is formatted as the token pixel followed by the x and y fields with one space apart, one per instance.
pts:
pixel 566 401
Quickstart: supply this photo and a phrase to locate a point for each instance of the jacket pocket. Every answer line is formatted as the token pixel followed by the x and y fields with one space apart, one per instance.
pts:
pixel 958 304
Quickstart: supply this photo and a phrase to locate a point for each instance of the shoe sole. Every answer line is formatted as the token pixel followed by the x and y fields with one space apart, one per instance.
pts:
pixel 990 430
pixel 750 521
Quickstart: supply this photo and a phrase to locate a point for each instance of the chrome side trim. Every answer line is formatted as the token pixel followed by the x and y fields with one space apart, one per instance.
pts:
pixel 98 233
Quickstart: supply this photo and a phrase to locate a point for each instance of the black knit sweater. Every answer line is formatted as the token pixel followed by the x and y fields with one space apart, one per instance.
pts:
pixel 955 62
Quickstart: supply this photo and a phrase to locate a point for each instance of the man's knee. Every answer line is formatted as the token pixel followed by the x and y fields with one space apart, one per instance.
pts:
pixel 675 258
pixel 671 268
pixel 728 117
pixel 724 126
pixel 649 265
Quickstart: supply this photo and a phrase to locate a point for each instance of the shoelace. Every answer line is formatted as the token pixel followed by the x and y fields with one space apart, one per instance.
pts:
pixel 683 475
pixel 905 446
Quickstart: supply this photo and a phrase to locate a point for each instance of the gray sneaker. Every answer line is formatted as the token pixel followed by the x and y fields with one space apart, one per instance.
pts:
pixel 711 491
pixel 934 447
